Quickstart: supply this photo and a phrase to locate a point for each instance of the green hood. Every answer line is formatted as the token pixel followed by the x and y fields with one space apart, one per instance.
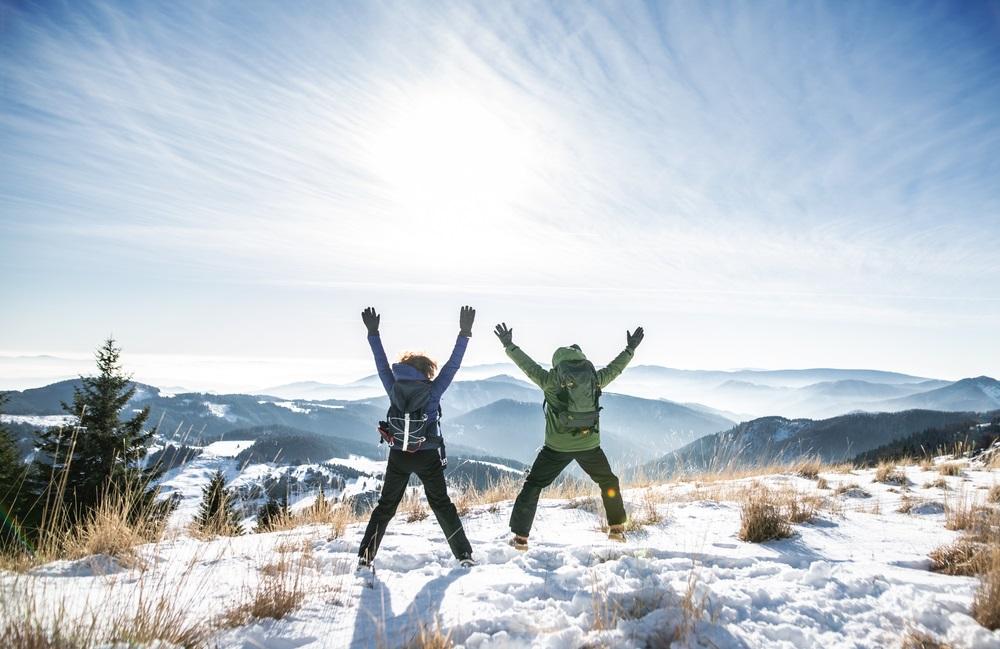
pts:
pixel 571 353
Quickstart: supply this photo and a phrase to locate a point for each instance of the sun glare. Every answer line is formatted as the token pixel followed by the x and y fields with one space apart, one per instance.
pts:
pixel 448 152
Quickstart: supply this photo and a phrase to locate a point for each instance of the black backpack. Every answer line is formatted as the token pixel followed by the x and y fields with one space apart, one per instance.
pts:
pixel 577 409
pixel 407 425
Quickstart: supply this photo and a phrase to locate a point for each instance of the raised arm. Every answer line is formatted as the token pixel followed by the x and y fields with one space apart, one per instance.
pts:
pixel 531 369
pixel 371 320
pixel 617 366
pixel 444 378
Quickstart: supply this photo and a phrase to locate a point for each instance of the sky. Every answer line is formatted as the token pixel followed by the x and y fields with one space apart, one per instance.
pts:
pixel 224 186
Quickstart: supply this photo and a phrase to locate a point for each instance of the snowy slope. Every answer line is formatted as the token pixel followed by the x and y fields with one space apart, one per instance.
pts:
pixel 854 578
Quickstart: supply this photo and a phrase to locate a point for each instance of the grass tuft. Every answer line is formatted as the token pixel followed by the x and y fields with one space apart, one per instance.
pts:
pixel 950 469
pixel 986 602
pixel 761 518
pixel 888 473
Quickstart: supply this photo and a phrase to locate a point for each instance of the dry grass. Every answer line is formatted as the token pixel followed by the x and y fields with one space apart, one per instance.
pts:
pixel 761 518
pixel 116 526
pixel 950 469
pixel 986 601
pixel 964 513
pixel 797 507
pixel 939 483
pixel 131 609
pixel 282 587
pixel 608 610
pixel 647 513
pixel 590 504
pixel 570 487
pixel 821 483
pixel 888 473
pixel 414 508
pixel 993 496
pixel 918 640
pixel 964 557
pixel 465 497
pixel 851 490
pixel 431 636
pixel 468 496
pixel 808 468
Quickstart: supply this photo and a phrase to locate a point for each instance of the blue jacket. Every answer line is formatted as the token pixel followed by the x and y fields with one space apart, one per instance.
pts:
pixel 403 372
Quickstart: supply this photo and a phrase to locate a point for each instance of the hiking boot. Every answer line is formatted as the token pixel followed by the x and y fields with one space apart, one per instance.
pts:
pixel 364 563
pixel 519 543
pixel 616 533
pixel 468 563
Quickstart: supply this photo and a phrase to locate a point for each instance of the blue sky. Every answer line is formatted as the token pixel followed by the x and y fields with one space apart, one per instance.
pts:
pixel 758 184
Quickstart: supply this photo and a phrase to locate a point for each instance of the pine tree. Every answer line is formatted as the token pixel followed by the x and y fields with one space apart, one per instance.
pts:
pixel 321 505
pixel 218 514
pixel 14 498
pixel 101 453
pixel 267 515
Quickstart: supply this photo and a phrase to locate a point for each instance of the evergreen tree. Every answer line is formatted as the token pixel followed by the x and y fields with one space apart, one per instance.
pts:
pixel 269 514
pixel 101 453
pixel 13 488
pixel 218 514
pixel 321 505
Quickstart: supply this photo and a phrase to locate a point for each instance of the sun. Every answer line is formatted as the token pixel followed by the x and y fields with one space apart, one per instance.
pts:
pixel 448 151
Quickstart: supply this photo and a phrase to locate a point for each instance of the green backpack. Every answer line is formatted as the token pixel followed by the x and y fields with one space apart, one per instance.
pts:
pixel 577 410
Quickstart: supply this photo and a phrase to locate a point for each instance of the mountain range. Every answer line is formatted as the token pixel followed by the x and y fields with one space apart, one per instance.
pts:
pixel 500 415
pixel 776 440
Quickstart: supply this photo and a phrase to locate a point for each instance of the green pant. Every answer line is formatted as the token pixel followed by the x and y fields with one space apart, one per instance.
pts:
pixel 547 467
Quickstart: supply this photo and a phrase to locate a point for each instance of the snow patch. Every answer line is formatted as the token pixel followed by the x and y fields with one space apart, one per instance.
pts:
pixel 291 405
pixel 42 421
pixel 220 410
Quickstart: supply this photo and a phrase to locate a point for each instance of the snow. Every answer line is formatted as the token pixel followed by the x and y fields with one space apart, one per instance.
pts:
pixel 42 421
pixel 992 391
pixel 291 405
pixel 220 410
pixel 358 463
pixel 787 430
pixel 855 577
pixel 228 448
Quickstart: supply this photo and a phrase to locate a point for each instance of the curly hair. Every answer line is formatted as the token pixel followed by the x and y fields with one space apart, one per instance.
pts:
pixel 424 364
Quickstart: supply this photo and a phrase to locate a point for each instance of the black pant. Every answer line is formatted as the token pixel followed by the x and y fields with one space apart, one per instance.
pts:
pixel 547 467
pixel 427 466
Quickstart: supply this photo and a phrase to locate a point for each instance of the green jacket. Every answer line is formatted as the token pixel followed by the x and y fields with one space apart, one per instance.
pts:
pixel 555 438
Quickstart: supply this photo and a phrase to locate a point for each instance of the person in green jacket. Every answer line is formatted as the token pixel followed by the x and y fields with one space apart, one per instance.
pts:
pixel 571 390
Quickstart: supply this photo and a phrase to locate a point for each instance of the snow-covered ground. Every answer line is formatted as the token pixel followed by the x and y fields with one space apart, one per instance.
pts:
pixel 856 576
pixel 42 421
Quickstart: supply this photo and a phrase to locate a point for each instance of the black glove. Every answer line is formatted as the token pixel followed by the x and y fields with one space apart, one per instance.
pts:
pixel 504 334
pixel 370 318
pixel 465 320
pixel 633 339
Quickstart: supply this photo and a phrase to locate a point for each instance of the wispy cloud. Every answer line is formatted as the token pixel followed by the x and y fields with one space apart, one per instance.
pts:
pixel 764 151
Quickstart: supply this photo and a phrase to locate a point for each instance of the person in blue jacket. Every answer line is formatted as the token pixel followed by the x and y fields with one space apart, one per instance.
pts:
pixel 414 374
